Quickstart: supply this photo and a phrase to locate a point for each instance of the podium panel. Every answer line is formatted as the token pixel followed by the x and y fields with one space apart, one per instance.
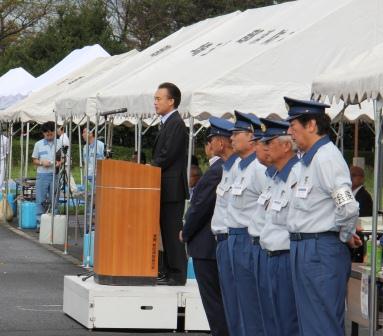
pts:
pixel 127 223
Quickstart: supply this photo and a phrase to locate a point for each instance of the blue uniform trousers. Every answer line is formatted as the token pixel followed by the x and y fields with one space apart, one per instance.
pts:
pixel 320 270
pixel 228 290
pixel 260 271
pixel 44 184
pixel 281 295
pixel 240 251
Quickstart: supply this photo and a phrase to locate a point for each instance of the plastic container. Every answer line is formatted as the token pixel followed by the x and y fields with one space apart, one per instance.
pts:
pixel 12 202
pixel 190 272
pixel 59 226
pixel 86 248
pixel 28 215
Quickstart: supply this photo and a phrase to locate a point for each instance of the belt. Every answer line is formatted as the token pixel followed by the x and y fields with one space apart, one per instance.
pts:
pixel 255 240
pixel 277 253
pixel 302 236
pixel 221 236
pixel 238 231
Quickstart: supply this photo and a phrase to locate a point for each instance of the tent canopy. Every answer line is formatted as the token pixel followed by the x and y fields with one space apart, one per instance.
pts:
pixel 11 86
pixel 251 61
pixel 360 79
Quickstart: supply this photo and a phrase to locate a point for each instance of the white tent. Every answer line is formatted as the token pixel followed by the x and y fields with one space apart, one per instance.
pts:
pixel 71 62
pixel 252 60
pixel 77 101
pixel 39 105
pixel 354 82
pixel 11 86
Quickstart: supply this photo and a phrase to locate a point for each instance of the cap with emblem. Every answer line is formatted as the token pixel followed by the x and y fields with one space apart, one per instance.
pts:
pixel 298 108
pixel 274 128
pixel 246 122
pixel 220 127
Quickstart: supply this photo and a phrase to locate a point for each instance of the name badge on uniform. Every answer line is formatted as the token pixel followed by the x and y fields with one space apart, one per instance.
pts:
pixel 277 205
pixel 220 191
pixel 237 190
pixel 303 191
pixel 263 198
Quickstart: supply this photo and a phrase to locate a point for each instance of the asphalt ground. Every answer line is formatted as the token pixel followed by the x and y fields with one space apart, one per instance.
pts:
pixel 31 287
pixel 31 290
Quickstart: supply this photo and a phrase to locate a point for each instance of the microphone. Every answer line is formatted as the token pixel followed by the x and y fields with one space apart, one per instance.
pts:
pixel 117 111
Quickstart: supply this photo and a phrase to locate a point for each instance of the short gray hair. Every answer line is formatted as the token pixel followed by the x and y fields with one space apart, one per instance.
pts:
pixel 288 138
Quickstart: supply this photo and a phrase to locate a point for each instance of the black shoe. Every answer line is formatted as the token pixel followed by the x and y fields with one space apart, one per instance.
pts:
pixel 161 276
pixel 170 282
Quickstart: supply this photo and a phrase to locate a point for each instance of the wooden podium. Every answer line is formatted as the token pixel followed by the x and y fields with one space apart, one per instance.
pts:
pixel 127 223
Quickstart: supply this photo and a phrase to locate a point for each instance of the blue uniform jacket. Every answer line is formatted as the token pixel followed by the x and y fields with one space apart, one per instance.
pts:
pixel 197 231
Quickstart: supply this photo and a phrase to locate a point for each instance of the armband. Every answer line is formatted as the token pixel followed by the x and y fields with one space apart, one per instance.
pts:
pixel 342 196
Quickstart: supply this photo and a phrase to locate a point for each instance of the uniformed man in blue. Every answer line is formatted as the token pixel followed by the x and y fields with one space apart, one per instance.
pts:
pixel 321 220
pixel 274 237
pixel 44 158
pixel 246 188
pixel 221 146
pixel 256 225
pixel 201 243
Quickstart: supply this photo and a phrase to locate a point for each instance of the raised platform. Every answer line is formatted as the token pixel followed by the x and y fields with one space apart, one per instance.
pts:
pixel 133 307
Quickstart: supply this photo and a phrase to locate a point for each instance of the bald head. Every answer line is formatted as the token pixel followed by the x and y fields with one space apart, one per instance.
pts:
pixel 357 176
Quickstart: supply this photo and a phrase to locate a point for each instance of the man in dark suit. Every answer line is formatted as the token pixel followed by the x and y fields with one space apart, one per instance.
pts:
pixel 170 154
pixel 201 243
pixel 360 192
pixel 364 199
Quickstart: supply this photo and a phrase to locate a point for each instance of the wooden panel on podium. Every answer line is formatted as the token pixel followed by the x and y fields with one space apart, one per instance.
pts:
pixel 127 223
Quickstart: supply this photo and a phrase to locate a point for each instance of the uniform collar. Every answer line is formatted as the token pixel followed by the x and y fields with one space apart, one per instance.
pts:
pixel 270 171
pixel 229 162
pixel 307 157
pixel 247 160
pixel 284 173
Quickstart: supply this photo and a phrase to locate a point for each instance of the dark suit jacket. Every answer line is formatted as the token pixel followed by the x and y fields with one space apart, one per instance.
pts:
pixel 197 231
pixel 365 202
pixel 170 154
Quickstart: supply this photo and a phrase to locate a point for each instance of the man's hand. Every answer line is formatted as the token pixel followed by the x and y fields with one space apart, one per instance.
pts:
pixel 180 237
pixel 46 163
pixel 355 241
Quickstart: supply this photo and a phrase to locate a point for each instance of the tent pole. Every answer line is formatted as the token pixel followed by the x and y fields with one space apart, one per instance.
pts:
pixel 53 189
pixel 87 257
pixel 21 151
pixel 10 151
pixel 139 139
pixel 356 138
pixel 376 199
pixel 80 155
pixel 26 151
pixel 67 168
pixel 190 149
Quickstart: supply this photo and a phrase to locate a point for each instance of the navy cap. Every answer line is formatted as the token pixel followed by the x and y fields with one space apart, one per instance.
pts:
pixel 220 127
pixel 246 122
pixel 274 128
pixel 299 108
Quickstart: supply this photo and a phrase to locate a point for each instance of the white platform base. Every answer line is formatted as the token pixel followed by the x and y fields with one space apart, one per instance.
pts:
pixel 132 307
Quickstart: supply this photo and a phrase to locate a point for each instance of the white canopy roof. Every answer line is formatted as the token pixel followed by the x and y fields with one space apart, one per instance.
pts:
pixel 39 105
pixel 252 60
pixel 75 60
pixel 77 101
pixel 360 79
pixel 11 86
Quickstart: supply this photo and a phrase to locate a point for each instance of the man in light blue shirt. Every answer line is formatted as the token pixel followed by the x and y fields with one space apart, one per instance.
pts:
pixel 220 144
pixel 321 220
pixel 245 190
pixel 274 237
pixel 44 158
pixel 88 159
